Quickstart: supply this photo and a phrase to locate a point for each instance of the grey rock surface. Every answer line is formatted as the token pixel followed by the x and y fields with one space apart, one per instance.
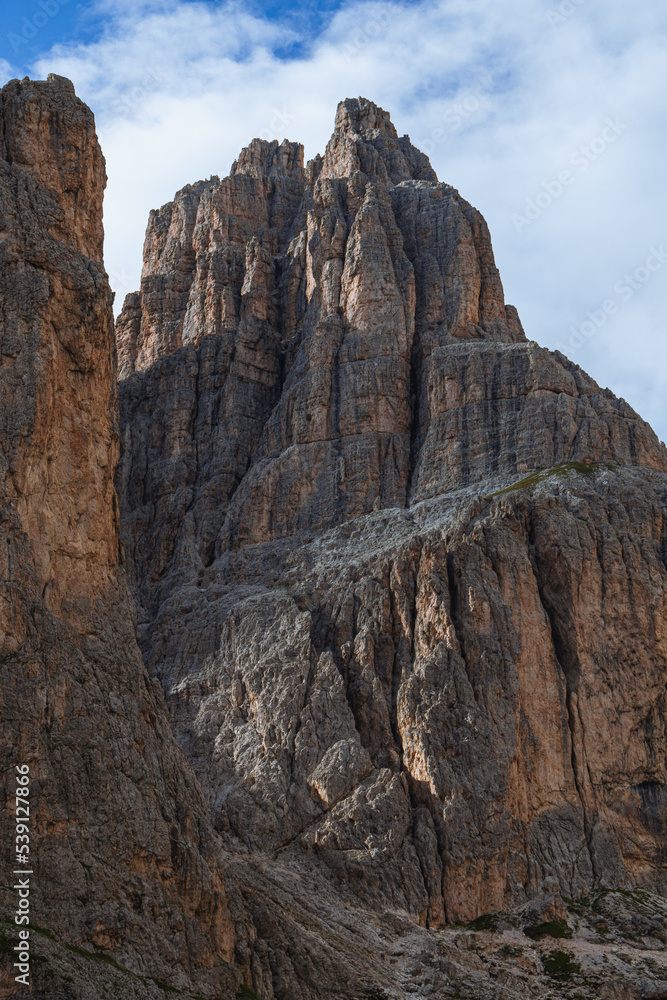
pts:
pixel 385 636
pixel 399 572
pixel 125 861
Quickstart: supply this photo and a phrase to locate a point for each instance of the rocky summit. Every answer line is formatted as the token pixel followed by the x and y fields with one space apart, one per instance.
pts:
pixel 354 684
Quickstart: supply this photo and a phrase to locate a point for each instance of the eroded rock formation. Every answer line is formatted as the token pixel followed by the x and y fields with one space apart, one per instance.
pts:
pixel 124 857
pixel 400 573
pixel 448 696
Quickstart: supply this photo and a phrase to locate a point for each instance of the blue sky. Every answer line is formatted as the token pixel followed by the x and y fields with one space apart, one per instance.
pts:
pixel 33 27
pixel 22 41
pixel 549 115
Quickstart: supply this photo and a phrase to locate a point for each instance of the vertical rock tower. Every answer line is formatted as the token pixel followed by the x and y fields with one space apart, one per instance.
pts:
pixel 401 571
pixel 126 864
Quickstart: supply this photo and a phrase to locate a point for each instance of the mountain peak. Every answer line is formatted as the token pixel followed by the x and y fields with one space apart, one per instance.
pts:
pixel 263 158
pixel 365 140
pixel 400 575
pixel 361 116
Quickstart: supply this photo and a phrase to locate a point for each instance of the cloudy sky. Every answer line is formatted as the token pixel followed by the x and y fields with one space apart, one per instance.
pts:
pixel 549 115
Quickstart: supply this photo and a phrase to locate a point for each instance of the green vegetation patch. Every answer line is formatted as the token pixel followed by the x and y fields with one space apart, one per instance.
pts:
pixel 245 993
pixel 560 965
pixel 562 470
pixel 640 900
pixel 165 986
pixel 487 922
pixel 553 928
pixel 577 906
pixel 640 897
pixel 44 932
pixel 509 951
pixel 97 956
pixel 7 948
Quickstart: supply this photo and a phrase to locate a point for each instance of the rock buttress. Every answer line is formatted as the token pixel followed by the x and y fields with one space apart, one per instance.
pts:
pixel 125 861
pixel 449 695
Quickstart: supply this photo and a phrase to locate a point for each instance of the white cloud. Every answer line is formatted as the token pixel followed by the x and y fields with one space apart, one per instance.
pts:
pixel 504 95
pixel 6 72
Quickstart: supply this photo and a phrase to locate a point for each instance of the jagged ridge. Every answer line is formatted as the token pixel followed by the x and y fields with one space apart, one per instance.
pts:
pixel 373 661
pixel 377 626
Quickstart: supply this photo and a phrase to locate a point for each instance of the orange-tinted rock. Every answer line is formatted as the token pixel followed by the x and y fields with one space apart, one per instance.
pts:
pixel 124 857
pixel 418 679
pixel 373 661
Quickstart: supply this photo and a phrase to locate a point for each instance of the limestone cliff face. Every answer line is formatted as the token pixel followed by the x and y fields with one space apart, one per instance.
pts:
pixel 125 860
pixel 400 573
pixel 325 317
pixel 449 694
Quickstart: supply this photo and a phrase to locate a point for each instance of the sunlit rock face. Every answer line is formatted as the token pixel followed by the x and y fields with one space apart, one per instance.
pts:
pixel 124 857
pixel 450 694
pixel 399 572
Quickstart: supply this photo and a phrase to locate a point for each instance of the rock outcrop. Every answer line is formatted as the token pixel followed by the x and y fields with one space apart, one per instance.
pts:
pixel 399 572
pixel 448 691
pixel 126 864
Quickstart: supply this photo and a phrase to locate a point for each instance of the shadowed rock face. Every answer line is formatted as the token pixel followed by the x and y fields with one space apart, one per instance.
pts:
pixel 449 697
pixel 325 317
pixel 400 572
pixel 123 853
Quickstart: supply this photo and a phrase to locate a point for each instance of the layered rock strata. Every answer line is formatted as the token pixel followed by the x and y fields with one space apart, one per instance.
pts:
pixel 444 693
pixel 400 573
pixel 125 861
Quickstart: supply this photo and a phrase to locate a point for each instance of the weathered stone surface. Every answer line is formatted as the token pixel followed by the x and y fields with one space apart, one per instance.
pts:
pixel 329 368
pixel 314 282
pixel 400 573
pixel 508 409
pixel 450 700
pixel 467 665
pixel 124 857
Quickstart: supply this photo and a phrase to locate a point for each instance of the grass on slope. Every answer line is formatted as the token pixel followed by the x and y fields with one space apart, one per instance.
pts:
pixel 534 478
